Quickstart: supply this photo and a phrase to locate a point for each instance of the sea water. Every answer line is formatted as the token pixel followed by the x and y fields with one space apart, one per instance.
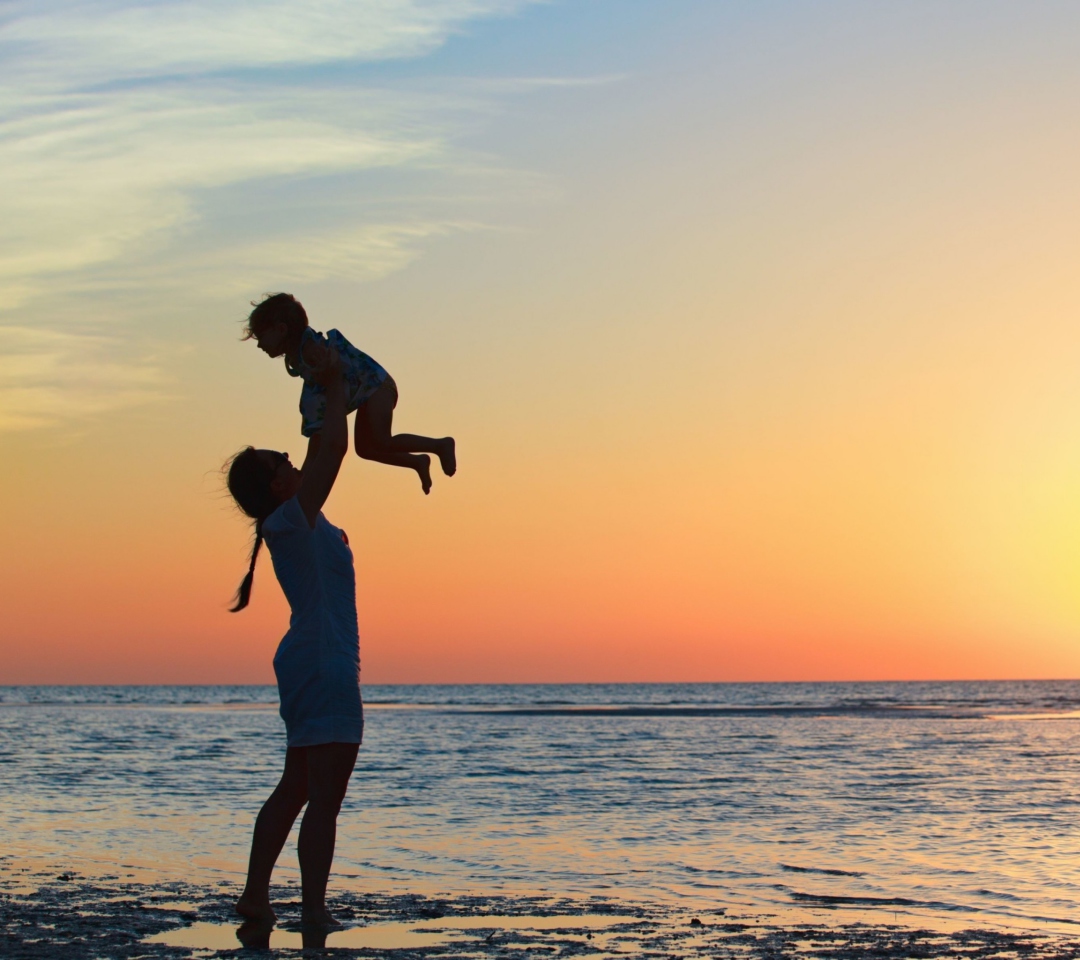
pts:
pixel 956 800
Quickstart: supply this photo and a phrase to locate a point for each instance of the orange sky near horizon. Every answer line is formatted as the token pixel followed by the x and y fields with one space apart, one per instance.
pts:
pixel 762 366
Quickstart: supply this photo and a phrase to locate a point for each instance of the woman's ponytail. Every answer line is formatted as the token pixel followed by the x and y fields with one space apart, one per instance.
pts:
pixel 244 593
pixel 249 483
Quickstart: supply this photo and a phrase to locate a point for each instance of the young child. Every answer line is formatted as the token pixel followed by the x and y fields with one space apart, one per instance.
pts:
pixel 279 326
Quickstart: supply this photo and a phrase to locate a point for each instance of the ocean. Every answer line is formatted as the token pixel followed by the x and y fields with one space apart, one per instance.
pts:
pixel 950 800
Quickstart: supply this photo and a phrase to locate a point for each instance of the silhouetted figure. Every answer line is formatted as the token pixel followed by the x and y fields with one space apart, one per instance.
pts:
pixel 317 662
pixel 279 326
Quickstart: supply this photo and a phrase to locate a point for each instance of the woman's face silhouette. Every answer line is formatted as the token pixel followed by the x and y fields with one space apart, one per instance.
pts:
pixel 286 482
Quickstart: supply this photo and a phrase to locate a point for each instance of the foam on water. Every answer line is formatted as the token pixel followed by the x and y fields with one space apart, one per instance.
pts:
pixel 954 800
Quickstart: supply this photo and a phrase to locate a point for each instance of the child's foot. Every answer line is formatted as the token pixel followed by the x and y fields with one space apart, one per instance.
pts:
pixel 423 467
pixel 258 910
pixel 448 456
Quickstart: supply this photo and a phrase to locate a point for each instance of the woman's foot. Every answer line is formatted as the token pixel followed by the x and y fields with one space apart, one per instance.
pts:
pixel 319 918
pixel 254 908
pixel 448 456
pixel 423 467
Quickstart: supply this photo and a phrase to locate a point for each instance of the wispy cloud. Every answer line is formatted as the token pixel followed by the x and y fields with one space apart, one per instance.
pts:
pixel 119 119
pixel 105 174
pixel 47 377
pixel 56 42
pixel 368 252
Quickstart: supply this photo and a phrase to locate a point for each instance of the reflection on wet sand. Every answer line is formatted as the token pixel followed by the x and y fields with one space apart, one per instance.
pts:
pixel 252 934
pixel 415 934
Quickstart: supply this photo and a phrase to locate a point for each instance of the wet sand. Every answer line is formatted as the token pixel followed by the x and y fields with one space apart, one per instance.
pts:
pixel 50 916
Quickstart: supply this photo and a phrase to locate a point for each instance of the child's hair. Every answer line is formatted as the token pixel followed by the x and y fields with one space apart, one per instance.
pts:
pixel 275 307
pixel 249 482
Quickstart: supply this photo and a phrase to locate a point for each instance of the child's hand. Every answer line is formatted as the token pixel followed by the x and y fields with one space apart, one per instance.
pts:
pixel 313 352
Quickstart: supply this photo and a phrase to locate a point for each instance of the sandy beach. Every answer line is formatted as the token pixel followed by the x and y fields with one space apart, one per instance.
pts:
pixel 48 916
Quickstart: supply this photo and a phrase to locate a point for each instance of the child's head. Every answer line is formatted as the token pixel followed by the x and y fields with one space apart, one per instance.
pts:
pixel 276 323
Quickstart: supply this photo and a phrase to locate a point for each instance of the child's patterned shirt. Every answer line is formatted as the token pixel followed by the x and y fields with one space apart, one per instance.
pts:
pixel 363 376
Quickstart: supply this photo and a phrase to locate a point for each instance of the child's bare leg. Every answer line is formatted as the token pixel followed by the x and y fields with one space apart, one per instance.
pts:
pixel 374 440
pixel 420 462
pixel 444 448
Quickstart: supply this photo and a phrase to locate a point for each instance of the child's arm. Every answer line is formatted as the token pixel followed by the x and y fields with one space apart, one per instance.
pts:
pixel 312 451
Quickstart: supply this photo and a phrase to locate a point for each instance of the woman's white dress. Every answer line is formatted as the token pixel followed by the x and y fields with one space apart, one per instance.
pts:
pixel 318 661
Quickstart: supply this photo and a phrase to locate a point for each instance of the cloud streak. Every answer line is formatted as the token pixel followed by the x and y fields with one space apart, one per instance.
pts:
pixel 361 253
pixel 86 184
pixel 47 377
pixel 60 42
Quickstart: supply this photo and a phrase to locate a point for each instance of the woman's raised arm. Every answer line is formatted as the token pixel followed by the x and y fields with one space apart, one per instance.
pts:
pixel 322 471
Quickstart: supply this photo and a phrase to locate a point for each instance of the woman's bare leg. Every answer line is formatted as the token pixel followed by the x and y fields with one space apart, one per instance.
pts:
pixel 272 828
pixel 329 767
pixel 374 440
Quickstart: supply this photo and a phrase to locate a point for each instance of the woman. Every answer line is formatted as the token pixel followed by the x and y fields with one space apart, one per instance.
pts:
pixel 317 662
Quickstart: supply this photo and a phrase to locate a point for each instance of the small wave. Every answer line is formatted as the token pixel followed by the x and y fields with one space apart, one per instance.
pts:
pixel 841 901
pixel 997 895
pixel 768 710
pixel 830 873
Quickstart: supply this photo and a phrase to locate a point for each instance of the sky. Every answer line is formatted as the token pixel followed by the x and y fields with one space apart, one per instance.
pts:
pixel 755 322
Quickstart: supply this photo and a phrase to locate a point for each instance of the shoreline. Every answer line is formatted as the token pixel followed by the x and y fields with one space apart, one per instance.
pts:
pixel 83 918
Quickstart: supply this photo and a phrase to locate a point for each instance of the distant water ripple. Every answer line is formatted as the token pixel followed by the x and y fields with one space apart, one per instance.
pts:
pixel 957 799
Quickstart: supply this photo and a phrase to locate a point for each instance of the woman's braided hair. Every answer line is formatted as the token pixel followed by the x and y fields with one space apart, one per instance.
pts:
pixel 249 483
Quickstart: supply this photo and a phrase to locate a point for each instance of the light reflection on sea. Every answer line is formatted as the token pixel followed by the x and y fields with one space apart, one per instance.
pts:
pixel 956 800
